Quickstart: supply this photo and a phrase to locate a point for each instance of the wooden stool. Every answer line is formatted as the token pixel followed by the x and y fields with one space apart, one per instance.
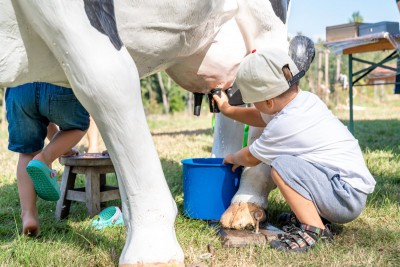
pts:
pixel 94 166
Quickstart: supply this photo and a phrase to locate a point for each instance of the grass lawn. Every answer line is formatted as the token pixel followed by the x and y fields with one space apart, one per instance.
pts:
pixel 371 240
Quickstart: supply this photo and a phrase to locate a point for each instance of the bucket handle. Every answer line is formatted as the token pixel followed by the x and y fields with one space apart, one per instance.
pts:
pixel 237 181
pixel 237 178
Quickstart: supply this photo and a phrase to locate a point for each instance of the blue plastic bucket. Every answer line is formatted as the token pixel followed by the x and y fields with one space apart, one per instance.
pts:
pixel 208 187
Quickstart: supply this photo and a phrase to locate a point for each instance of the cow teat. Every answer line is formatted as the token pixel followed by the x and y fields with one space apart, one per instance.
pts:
pixel 213 105
pixel 198 98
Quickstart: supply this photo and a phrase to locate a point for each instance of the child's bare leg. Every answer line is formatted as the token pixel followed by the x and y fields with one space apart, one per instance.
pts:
pixel 61 144
pixel 93 137
pixel 27 197
pixel 52 130
pixel 303 208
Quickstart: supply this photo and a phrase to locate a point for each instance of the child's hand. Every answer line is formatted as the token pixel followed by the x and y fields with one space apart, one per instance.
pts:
pixel 229 160
pixel 72 152
pixel 222 102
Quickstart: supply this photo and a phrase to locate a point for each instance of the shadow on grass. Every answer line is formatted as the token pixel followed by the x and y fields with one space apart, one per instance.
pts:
pixel 382 139
pixel 378 134
pixel 173 175
pixel 188 133
pixel 74 231
pixel 381 239
pixel 10 222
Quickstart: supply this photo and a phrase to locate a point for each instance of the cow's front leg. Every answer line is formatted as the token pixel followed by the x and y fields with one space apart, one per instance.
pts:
pixel 105 80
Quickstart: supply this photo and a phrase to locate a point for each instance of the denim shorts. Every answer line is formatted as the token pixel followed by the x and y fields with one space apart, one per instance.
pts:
pixel 30 108
pixel 334 199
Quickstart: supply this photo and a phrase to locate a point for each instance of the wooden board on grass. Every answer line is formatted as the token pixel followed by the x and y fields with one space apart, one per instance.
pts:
pixel 241 238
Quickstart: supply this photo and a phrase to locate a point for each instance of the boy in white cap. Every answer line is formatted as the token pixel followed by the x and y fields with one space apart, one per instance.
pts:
pixel 315 161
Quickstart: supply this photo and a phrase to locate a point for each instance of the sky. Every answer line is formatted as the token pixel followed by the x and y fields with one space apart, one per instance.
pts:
pixel 311 17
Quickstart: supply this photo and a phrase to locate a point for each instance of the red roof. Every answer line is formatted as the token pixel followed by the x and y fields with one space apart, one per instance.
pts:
pixel 380 73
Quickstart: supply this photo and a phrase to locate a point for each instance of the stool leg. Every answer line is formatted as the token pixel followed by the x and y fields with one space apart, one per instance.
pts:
pixel 103 182
pixel 92 192
pixel 67 183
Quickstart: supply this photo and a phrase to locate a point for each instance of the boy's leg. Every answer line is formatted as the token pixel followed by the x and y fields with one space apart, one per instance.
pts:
pixel 304 209
pixel 313 191
pixel 27 196
pixel 60 106
pixel 39 169
pixel 334 199
pixel 61 144
pixel 52 130
pixel 93 137
pixel 311 229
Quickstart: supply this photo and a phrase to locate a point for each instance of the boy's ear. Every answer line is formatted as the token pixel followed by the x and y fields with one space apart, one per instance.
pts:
pixel 270 103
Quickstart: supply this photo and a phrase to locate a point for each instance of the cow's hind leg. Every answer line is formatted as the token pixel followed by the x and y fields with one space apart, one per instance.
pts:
pixel 251 199
pixel 105 80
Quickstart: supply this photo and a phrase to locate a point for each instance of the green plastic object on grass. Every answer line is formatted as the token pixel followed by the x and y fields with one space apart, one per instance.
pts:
pixel 109 217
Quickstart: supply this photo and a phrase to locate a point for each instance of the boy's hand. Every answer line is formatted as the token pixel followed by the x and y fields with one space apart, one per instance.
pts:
pixel 222 102
pixel 229 160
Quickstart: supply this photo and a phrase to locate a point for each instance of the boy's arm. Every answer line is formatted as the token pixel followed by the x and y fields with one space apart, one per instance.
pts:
pixel 242 158
pixel 250 116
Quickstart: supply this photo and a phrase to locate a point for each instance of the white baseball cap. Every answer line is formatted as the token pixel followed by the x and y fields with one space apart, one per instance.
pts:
pixel 260 76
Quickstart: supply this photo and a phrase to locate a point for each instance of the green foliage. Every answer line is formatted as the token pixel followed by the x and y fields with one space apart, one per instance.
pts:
pixel 177 98
pixel 356 17
pixel 150 98
pixel 151 106
pixel 152 94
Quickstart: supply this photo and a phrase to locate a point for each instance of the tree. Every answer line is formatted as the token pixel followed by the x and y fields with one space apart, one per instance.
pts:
pixel 164 91
pixel 160 94
pixel 150 95
pixel 356 17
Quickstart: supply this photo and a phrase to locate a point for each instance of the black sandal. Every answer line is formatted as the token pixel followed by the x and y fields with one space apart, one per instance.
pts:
pixel 287 218
pixel 300 239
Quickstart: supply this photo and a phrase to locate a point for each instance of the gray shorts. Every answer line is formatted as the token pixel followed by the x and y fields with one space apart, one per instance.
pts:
pixel 334 199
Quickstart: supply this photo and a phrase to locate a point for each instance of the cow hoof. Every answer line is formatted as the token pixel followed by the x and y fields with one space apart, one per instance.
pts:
pixel 242 215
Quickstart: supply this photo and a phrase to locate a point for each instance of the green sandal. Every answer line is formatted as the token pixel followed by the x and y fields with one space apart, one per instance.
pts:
pixel 109 217
pixel 44 180
pixel 300 239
